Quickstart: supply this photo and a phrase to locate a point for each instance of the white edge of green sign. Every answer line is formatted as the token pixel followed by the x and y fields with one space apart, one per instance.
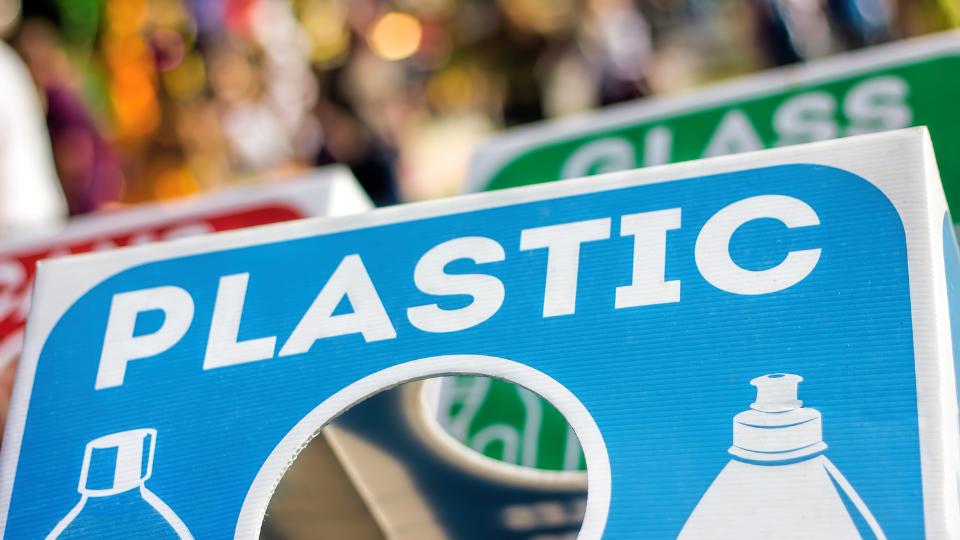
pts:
pixel 500 149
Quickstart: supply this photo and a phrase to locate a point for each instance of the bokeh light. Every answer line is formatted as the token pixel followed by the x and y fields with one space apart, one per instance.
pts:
pixel 326 28
pixel 236 90
pixel 396 36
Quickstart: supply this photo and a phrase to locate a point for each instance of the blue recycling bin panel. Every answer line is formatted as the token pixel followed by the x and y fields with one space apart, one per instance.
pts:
pixel 748 347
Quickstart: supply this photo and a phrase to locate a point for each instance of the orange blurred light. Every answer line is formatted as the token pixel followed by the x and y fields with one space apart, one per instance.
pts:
pixel 120 52
pixel 174 183
pixel 126 16
pixel 395 36
pixel 133 97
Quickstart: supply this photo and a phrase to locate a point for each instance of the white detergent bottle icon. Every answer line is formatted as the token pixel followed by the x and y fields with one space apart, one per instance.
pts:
pixel 779 484
pixel 114 500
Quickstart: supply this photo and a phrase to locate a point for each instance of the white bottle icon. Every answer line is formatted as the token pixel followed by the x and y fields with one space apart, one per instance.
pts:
pixel 779 485
pixel 114 500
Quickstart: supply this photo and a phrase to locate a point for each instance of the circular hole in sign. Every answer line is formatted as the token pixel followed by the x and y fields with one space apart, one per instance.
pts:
pixel 446 458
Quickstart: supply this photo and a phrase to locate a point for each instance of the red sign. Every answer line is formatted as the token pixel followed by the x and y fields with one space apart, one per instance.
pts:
pixel 151 223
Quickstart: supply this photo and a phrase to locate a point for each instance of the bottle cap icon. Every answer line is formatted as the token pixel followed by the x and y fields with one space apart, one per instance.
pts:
pixel 117 462
pixel 777 427
pixel 780 482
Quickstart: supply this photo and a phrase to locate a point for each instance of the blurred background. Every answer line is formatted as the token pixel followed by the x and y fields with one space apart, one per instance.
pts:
pixel 108 103
pixel 156 99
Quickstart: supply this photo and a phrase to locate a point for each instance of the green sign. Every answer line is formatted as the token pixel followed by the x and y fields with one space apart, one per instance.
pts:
pixel 508 422
pixel 910 83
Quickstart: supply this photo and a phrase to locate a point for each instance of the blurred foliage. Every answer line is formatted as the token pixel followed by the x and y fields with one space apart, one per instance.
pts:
pixel 154 99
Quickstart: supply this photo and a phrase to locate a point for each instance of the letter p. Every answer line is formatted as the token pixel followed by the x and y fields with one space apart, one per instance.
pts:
pixel 120 345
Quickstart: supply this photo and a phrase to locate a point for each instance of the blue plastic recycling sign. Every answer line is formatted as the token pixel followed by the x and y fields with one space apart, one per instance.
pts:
pixel 739 342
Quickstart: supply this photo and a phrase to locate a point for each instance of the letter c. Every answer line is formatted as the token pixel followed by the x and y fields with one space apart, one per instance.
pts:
pixel 713 246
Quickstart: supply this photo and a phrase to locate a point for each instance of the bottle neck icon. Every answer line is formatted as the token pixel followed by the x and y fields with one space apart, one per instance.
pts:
pixel 780 484
pixel 117 462
pixel 115 501
pixel 777 427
